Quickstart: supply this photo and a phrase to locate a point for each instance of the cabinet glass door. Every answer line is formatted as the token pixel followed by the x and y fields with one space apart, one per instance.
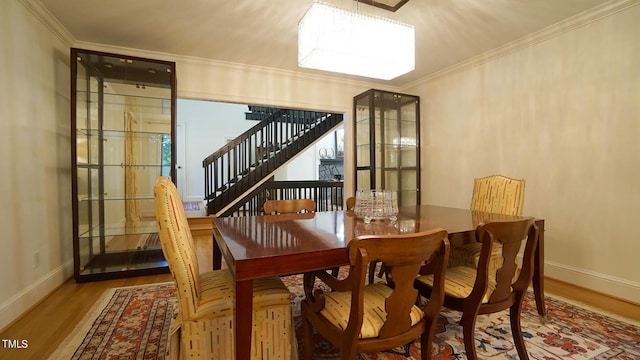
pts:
pixel 122 129
pixel 363 117
pixel 386 137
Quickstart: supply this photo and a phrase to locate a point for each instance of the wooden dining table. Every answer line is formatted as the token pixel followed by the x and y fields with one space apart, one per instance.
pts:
pixel 255 247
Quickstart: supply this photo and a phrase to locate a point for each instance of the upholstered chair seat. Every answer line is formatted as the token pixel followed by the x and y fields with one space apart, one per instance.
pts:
pixel 203 328
pixel 338 305
pixel 475 291
pixel 458 282
pixel 359 318
pixel 468 255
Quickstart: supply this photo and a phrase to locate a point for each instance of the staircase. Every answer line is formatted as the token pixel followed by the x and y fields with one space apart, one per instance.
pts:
pixel 200 225
pixel 252 157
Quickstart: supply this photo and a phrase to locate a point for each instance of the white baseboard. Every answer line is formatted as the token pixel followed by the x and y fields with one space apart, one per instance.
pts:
pixel 15 306
pixel 606 284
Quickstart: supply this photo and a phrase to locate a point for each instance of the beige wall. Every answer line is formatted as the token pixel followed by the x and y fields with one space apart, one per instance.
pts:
pixel 35 186
pixel 562 110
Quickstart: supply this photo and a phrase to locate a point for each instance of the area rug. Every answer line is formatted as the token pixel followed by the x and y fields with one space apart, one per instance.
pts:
pixel 191 206
pixel 133 323
pixel 570 331
pixel 126 323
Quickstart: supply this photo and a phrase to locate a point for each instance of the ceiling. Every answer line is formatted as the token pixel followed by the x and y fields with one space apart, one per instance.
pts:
pixel 264 32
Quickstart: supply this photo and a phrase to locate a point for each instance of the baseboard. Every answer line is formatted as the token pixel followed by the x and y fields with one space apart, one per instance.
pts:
pixel 610 285
pixel 17 305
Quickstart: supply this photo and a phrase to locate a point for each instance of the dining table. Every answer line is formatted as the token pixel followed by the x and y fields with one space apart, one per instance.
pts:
pixel 255 247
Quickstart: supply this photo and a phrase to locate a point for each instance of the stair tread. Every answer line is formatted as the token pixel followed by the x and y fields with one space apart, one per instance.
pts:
pixel 200 226
pixel 200 218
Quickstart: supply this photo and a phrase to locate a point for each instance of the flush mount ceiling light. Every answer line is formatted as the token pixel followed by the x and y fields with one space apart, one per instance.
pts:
pixel 348 42
pixel 391 5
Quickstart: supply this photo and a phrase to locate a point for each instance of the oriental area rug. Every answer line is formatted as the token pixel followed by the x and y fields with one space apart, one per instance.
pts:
pixel 134 323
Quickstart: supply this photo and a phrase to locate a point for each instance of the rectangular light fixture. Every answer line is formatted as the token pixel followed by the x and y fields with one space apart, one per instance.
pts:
pixel 347 42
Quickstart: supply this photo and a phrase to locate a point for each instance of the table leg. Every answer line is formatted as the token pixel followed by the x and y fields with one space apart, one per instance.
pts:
pixel 243 318
pixel 538 273
pixel 217 255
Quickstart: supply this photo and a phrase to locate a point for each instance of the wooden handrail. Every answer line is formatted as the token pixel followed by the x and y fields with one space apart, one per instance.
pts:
pixel 237 166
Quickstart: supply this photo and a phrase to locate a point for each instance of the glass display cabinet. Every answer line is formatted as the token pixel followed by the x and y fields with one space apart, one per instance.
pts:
pixel 122 139
pixel 387 144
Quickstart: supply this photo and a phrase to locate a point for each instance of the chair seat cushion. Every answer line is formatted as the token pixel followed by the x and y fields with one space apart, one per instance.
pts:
pixel 458 282
pixel 469 255
pixel 217 290
pixel 338 307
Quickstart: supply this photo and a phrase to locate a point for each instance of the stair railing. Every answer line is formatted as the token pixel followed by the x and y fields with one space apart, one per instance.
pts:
pixel 328 195
pixel 251 157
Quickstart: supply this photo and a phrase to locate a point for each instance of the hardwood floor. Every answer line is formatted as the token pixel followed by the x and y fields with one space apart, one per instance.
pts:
pixel 592 299
pixel 48 324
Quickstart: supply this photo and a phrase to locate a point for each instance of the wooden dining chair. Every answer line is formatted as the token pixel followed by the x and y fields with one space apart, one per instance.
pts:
pixel 358 318
pixel 204 326
pixel 497 194
pixel 473 291
pixel 351 203
pixel 272 207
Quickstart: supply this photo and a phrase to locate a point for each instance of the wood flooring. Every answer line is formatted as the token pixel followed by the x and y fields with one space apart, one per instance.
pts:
pixel 47 324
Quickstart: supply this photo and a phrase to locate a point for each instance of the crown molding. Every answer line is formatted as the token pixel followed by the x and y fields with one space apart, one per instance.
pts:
pixel 49 21
pixel 189 62
pixel 587 17
pixel 230 66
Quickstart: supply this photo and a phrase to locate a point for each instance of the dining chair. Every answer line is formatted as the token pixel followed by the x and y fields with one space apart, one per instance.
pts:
pixel 351 203
pixel 473 291
pixel 358 318
pixel 496 194
pixel 203 328
pixel 289 206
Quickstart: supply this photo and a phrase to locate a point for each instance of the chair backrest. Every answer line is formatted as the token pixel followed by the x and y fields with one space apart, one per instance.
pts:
pixel 403 255
pixel 351 203
pixel 289 206
pixel 498 194
pixel 177 243
pixel 510 234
